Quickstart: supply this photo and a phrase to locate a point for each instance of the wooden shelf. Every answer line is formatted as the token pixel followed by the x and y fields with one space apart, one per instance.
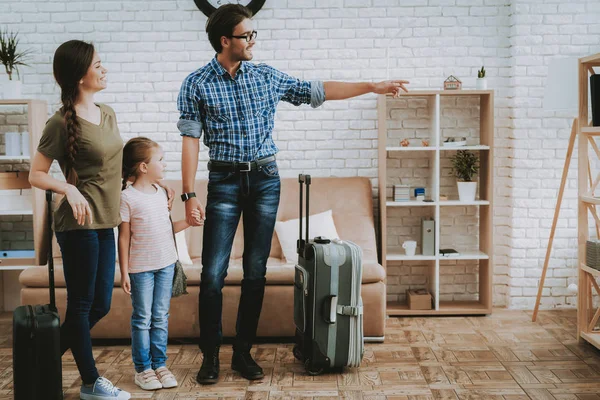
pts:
pixel 591 130
pixel 446 308
pixel 9 263
pixel 590 199
pixel 592 338
pixel 399 255
pixel 411 148
pixel 464 203
pixel 474 147
pixel 394 254
pixel 466 255
pixel 464 307
pixel 411 203
pixel 17 212
pixel 21 102
pixel 441 92
pixel 590 270
pixel 14 158
pixel 16 267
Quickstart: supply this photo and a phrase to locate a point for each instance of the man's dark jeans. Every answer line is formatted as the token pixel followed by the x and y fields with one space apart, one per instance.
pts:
pixel 89 268
pixel 255 195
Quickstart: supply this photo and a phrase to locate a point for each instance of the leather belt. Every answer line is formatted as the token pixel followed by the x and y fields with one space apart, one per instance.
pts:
pixel 247 166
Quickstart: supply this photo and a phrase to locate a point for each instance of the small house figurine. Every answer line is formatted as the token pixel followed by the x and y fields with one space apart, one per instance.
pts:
pixel 452 83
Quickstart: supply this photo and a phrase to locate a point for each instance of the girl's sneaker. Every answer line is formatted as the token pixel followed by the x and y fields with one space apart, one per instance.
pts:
pixel 147 380
pixel 167 379
pixel 103 389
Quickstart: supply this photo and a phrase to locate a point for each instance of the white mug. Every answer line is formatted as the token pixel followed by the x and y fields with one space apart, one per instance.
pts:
pixel 409 247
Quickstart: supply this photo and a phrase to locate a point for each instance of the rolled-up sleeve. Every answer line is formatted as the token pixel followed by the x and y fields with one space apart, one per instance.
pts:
pixel 317 93
pixel 189 106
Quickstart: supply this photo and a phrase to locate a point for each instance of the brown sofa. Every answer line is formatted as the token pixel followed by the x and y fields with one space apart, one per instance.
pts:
pixel 351 202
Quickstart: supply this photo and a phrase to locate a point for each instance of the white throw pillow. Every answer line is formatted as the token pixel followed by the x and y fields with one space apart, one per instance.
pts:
pixel 182 249
pixel 287 232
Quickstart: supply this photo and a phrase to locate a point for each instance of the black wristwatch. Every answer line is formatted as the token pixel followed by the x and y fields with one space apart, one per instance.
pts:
pixel 186 196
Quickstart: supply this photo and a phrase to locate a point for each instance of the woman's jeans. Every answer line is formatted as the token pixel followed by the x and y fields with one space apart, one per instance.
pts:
pixel 151 299
pixel 89 268
pixel 255 195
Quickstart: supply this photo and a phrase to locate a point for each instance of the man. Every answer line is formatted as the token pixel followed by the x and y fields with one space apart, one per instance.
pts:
pixel 234 102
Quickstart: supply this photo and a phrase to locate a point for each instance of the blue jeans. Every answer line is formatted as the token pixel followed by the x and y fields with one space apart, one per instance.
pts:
pixel 151 299
pixel 89 268
pixel 255 195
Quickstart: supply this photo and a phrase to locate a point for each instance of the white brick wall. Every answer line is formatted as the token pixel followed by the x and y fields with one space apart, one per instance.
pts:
pixel 150 46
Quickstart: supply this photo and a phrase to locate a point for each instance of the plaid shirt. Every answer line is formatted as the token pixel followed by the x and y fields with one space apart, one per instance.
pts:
pixel 237 114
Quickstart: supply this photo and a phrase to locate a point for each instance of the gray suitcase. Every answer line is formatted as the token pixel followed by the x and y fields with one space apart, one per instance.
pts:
pixel 328 310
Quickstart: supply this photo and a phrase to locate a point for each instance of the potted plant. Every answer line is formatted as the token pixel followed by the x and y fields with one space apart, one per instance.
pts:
pixel 481 83
pixel 12 59
pixel 465 166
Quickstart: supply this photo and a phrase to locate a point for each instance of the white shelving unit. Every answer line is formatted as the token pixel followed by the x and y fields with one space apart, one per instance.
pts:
pixel 435 153
pixel 33 204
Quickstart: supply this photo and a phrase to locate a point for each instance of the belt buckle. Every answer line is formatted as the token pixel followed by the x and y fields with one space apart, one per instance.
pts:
pixel 246 164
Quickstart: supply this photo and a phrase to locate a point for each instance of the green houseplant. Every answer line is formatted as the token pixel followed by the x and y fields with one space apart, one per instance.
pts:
pixel 481 83
pixel 465 166
pixel 12 59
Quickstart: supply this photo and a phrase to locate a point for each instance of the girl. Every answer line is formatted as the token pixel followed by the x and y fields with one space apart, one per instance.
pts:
pixel 84 138
pixel 147 256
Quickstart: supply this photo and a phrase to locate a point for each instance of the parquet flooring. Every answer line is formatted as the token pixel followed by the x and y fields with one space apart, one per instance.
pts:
pixel 503 356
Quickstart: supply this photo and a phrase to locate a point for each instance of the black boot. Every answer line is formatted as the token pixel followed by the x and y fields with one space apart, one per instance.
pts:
pixel 209 371
pixel 246 366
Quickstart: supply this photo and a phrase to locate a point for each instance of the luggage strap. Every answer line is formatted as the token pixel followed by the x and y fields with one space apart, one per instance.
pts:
pixel 353 311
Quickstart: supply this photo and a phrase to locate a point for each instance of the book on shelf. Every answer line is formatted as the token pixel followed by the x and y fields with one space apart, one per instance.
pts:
pixel 401 193
pixel 449 253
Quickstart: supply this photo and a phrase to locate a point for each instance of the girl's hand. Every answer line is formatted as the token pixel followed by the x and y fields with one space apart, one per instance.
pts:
pixel 79 205
pixel 197 217
pixel 126 284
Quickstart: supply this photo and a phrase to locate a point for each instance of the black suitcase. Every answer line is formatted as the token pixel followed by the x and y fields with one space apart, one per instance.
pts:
pixel 328 310
pixel 37 368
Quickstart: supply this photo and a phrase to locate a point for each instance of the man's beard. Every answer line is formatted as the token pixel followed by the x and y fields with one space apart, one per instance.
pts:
pixel 244 55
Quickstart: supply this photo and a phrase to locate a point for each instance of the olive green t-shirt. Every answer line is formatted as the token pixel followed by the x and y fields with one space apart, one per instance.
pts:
pixel 98 164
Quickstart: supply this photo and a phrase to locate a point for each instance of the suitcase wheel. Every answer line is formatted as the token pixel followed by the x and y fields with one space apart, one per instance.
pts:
pixel 312 369
pixel 298 353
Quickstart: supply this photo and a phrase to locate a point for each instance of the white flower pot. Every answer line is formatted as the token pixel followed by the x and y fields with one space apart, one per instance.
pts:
pixel 467 190
pixel 11 90
pixel 481 84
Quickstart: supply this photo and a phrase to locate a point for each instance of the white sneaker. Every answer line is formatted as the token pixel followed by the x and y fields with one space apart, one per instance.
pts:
pixel 103 389
pixel 147 380
pixel 166 377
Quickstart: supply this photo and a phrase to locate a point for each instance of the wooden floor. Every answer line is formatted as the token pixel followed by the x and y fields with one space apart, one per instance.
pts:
pixel 504 356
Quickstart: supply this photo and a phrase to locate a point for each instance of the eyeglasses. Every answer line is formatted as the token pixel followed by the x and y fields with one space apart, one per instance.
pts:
pixel 249 36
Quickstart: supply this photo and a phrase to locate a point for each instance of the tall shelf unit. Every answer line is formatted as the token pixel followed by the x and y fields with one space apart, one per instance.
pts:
pixel 587 316
pixel 430 163
pixel 11 265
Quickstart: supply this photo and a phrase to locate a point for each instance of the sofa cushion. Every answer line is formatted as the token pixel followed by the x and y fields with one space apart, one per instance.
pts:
pixel 287 232
pixel 278 273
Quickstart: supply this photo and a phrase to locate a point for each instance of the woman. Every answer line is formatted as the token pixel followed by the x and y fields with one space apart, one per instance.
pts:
pixel 84 138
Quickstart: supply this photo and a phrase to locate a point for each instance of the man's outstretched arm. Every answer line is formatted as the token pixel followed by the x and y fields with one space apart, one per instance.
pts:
pixel 346 90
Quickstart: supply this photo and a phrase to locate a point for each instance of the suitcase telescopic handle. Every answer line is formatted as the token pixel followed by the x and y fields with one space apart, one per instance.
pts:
pixel 50 257
pixel 304 180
